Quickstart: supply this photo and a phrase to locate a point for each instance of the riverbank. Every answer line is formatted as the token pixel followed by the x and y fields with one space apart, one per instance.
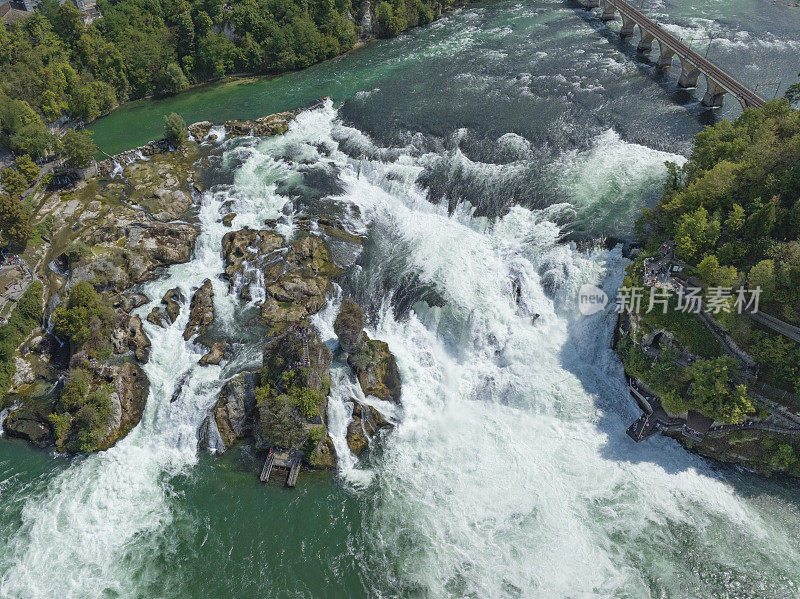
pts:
pixel 246 96
pixel 698 335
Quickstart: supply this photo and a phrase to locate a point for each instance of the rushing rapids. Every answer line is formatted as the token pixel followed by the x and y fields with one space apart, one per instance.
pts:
pixel 508 474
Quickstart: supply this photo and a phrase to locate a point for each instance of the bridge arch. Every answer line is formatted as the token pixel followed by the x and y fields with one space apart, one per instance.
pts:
pixel 646 40
pixel 665 55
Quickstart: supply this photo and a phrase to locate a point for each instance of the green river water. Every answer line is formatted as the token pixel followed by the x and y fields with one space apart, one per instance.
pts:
pixel 509 473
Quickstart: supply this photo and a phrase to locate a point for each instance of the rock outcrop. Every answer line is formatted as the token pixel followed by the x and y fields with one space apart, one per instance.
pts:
pixel 235 408
pixel 349 326
pixel 215 354
pixel 171 301
pixel 293 395
pixel 296 275
pixel 371 361
pixel 135 250
pixel 128 335
pixel 366 423
pixel 376 370
pixel 30 422
pixel 274 124
pixel 201 310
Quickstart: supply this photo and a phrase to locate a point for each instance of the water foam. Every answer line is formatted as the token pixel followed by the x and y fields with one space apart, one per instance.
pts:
pixel 508 474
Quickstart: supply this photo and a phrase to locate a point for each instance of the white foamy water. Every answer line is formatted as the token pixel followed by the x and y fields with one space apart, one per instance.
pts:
pixel 508 475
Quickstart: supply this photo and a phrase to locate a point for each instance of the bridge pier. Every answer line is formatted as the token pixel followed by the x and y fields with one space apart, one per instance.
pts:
pixel 609 12
pixel 665 56
pixel 646 43
pixel 714 94
pixel 628 25
pixel 689 74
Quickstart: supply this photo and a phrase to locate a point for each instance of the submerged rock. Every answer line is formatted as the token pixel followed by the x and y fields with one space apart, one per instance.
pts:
pixel 201 311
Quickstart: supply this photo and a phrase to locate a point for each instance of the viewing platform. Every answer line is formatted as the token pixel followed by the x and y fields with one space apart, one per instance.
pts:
pixel 285 461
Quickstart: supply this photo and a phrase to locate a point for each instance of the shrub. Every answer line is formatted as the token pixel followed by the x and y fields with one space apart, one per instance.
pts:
pixel 175 129
pixel 307 401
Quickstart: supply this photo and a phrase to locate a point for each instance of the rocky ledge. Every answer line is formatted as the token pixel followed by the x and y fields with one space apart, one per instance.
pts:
pixel 284 404
pixel 296 274
pixel 376 370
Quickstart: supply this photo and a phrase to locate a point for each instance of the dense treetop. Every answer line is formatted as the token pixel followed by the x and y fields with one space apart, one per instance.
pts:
pixel 53 65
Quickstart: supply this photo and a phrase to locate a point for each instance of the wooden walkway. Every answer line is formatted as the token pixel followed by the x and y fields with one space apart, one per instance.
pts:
pixel 284 461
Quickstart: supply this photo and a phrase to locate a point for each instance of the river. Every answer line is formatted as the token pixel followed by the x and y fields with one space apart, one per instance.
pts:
pixel 466 151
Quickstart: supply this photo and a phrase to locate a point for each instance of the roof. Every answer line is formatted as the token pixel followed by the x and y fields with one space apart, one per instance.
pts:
pixel 697 422
pixel 13 11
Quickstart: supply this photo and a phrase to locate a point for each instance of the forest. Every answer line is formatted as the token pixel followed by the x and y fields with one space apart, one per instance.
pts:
pixel 733 210
pixel 53 66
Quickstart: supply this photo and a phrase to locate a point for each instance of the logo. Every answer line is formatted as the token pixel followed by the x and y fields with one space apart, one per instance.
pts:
pixel 591 300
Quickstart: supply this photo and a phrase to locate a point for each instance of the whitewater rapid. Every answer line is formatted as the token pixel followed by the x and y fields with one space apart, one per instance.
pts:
pixel 508 473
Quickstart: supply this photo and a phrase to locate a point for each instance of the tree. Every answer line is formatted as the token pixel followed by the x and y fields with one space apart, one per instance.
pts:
pixel 84 313
pixel 697 234
pixel 15 222
pixel 712 391
pixel 78 148
pixel 172 79
pixel 175 129
pixel 763 275
pixel 14 182
pixel 735 220
pixel 28 168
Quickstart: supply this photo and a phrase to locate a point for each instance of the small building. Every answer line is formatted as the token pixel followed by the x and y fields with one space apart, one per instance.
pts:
pixel 13 11
pixel 696 426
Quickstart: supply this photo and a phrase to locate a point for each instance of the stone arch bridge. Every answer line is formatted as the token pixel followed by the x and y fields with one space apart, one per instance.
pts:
pixel 718 82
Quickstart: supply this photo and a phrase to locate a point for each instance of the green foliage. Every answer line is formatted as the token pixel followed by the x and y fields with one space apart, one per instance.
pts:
pixel 714 274
pixel 15 222
pixel 22 130
pixel 172 79
pixel 696 235
pixel 26 315
pixel 78 148
pixel 763 275
pixel 175 129
pixel 14 182
pixel 28 168
pixel 53 64
pixel 713 393
pixel 74 393
pixel 86 314
pixel 307 401
pixel 82 411
pixel 43 228
pixel 784 457
pixel 77 251
pixel 361 360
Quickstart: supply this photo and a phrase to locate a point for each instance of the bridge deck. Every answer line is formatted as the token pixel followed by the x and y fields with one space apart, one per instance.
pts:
pixel 743 93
